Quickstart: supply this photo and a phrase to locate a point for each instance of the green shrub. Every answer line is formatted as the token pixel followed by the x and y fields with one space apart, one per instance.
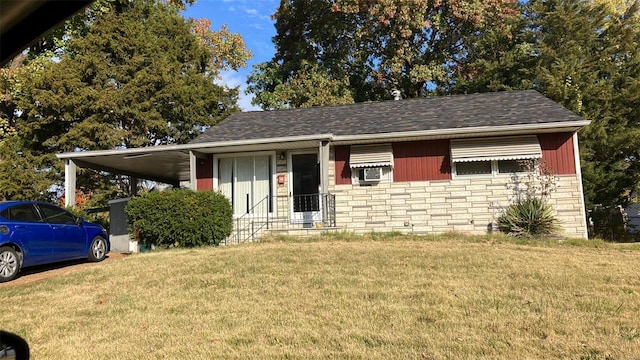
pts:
pixel 180 218
pixel 528 217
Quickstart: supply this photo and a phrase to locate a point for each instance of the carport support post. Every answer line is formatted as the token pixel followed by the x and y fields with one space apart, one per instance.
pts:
pixel 133 186
pixel 69 182
pixel 324 177
pixel 193 180
pixel 324 167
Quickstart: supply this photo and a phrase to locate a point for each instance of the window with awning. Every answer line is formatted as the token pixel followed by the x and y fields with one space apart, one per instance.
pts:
pixel 498 148
pixel 493 156
pixel 368 156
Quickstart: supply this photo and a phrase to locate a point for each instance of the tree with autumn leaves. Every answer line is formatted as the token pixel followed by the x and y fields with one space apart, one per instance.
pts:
pixel 361 50
pixel 582 54
pixel 122 74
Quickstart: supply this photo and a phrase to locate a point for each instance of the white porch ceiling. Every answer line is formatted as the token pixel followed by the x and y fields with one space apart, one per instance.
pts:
pixel 169 167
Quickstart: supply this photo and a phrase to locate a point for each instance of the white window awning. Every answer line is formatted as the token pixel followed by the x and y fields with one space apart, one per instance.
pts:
pixel 363 156
pixel 496 148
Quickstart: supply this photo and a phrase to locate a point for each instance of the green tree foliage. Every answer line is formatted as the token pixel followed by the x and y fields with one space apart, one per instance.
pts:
pixel 310 86
pixel 180 218
pixel 25 176
pixel 585 56
pixel 363 49
pixel 139 77
pixel 121 74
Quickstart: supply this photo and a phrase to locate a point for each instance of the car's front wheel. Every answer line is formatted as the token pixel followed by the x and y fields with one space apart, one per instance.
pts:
pixel 9 264
pixel 98 249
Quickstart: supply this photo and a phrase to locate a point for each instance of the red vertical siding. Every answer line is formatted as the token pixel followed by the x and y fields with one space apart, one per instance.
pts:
pixel 557 152
pixel 421 160
pixel 341 158
pixel 204 173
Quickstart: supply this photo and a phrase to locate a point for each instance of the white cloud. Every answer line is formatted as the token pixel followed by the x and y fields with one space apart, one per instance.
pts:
pixel 230 79
pixel 260 26
pixel 258 14
pixel 234 79
pixel 244 101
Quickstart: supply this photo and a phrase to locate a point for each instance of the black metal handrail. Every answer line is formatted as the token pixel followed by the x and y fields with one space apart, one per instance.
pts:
pixel 246 226
pixel 284 212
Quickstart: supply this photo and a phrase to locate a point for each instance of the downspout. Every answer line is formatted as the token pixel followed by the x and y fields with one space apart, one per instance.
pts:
pixel 576 155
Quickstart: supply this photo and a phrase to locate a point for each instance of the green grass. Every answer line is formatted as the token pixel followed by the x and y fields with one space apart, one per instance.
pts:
pixel 381 296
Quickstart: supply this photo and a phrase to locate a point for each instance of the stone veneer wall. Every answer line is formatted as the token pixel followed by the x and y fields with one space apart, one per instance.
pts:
pixel 468 205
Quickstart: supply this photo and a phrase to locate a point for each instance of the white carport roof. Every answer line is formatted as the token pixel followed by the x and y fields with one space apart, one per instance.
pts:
pixel 158 163
pixel 172 163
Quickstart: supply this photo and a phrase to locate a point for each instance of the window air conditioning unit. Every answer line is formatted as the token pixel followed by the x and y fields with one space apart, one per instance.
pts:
pixel 372 174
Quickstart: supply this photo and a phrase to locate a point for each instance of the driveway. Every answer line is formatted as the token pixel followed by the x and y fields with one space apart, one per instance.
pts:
pixel 36 273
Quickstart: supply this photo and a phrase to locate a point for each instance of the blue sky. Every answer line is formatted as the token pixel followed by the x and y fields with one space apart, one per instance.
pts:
pixel 249 18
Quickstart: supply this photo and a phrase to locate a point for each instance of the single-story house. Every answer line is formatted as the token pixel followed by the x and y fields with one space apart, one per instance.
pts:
pixel 425 165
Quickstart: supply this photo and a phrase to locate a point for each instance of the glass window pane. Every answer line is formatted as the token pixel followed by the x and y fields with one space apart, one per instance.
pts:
pixel 473 168
pixel 56 215
pixel 510 166
pixel 24 212
pixel 306 179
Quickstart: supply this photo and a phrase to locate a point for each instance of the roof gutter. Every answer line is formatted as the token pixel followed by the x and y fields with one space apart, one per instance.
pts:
pixel 465 132
pixel 190 147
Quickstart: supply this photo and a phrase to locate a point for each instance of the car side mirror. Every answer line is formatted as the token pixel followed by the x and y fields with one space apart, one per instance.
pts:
pixel 79 220
pixel 13 347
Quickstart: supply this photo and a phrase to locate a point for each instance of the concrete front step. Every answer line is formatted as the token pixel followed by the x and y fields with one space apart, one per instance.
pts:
pixel 304 232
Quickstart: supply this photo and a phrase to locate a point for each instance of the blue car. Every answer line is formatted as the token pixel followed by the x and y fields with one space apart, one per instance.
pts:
pixel 36 233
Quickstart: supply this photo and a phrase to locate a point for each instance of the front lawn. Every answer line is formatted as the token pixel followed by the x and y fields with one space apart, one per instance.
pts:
pixel 391 298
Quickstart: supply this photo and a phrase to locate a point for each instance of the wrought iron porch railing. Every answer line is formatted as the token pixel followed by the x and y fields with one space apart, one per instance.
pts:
pixel 313 210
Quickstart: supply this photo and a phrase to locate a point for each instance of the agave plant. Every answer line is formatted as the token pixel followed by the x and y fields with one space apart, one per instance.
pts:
pixel 528 217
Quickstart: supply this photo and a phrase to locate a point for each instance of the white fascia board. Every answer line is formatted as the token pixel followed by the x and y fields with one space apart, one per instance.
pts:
pixel 191 147
pixel 284 139
pixel 131 151
pixel 466 132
